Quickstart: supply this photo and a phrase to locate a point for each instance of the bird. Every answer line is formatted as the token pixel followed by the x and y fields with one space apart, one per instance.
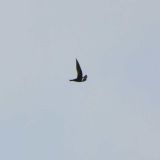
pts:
pixel 80 77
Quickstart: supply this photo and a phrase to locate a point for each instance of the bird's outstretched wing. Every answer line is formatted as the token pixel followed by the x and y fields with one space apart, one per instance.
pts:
pixel 79 71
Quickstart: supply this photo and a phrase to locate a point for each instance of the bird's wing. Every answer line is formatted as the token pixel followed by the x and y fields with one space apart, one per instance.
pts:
pixel 79 71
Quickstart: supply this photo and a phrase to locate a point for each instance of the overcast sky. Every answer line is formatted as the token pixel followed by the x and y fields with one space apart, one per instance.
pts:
pixel 114 115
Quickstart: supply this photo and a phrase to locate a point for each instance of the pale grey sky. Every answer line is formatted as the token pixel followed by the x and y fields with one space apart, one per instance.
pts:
pixel 115 115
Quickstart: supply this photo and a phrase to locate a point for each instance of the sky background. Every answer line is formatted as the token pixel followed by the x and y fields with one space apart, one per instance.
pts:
pixel 114 115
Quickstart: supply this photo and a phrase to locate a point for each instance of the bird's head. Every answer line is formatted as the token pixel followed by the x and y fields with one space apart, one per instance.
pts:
pixel 84 78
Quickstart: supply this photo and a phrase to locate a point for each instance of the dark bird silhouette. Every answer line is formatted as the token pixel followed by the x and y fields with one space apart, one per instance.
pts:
pixel 80 77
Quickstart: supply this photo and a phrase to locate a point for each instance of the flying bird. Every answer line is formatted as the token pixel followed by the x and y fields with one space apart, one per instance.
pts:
pixel 80 77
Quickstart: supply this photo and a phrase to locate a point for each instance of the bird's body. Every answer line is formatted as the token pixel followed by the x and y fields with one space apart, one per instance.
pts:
pixel 80 77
